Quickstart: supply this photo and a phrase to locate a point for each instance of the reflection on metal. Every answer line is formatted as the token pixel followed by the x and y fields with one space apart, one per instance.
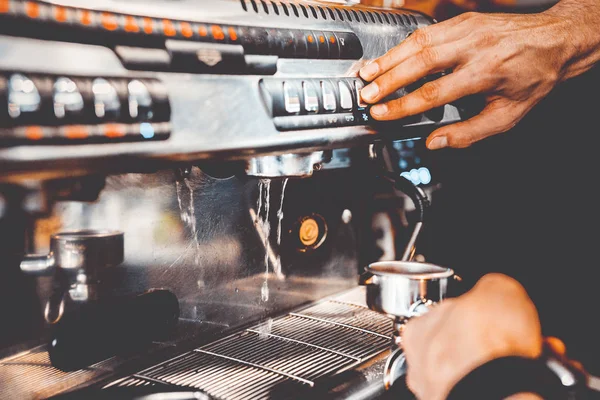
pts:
pixel 285 165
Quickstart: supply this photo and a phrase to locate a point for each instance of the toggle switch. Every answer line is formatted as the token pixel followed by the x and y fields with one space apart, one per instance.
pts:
pixel 329 101
pixel 311 98
pixel 106 99
pixel 140 101
pixel 23 96
pixel 291 98
pixel 346 102
pixel 67 99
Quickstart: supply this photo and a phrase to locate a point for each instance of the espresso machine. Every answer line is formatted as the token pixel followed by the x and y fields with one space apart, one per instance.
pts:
pixel 189 194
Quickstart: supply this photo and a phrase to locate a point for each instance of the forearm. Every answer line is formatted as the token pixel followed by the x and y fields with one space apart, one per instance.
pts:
pixel 579 20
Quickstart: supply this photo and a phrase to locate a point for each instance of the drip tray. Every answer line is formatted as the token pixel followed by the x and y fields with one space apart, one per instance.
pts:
pixel 279 356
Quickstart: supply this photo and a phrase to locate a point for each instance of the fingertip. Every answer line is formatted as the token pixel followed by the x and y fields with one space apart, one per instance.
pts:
pixel 437 142
pixel 369 71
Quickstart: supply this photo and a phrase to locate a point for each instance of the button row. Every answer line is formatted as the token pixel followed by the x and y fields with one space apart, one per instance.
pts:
pixel 255 40
pixel 59 100
pixel 313 96
pixel 87 133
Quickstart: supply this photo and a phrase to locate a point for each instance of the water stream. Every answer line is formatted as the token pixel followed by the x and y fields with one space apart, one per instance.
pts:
pixel 279 219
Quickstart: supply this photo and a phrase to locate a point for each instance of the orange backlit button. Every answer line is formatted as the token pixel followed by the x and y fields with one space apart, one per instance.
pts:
pixel 114 130
pixel 202 31
pixel 332 39
pixel 217 32
pixel 4 6
pixel 34 132
pixel 109 21
pixel 186 29
pixel 76 132
pixel 321 39
pixel 312 46
pixel 60 14
pixel 32 9
pixel 232 34
pixel 168 28
pixel 310 38
pixel 85 17
pixel 131 24
pixel 148 25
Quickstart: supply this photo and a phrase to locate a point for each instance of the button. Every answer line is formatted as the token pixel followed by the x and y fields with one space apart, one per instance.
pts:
pixel 143 59
pixel 300 45
pixel 286 44
pixel 346 102
pixel 257 40
pixel 323 44
pixel 291 98
pixel 67 100
pixel 329 101
pixel 358 86
pixel 312 47
pixel 350 47
pixel 311 98
pixel 23 96
pixel 334 48
pixel 140 101
pixel 106 99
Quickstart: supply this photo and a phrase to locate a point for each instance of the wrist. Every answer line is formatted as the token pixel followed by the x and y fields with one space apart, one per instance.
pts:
pixel 576 26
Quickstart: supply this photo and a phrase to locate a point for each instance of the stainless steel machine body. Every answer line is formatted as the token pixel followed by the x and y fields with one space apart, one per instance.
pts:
pixel 186 126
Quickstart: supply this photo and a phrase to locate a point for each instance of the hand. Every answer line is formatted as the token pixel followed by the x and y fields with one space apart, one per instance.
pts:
pixel 494 319
pixel 513 60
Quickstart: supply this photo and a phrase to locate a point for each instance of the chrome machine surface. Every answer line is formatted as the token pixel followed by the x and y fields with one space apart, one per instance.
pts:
pixel 179 131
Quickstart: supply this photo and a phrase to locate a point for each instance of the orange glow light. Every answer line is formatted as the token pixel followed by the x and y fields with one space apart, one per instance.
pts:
pixel 32 9
pixel 169 28
pixel 186 30
pixel 86 17
pixel 60 14
pixel 148 25
pixel 114 130
pixel 310 39
pixel 4 6
pixel 202 31
pixel 131 24
pixel 233 34
pixel 332 39
pixel 217 32
pixel 109 21
pixel 34 133
pixel 76 132
pixel 322 39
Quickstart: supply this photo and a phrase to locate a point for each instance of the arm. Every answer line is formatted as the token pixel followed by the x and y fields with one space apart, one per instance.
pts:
pixel 513 60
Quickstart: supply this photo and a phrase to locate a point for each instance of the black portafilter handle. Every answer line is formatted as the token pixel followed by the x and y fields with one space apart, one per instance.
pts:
pixel 115 326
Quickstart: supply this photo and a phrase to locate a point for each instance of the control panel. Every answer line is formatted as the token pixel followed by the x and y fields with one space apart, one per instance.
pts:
pixel 37 108
pixel 328 103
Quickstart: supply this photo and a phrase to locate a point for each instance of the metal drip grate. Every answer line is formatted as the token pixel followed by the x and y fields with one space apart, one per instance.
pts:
pixel 31 375
pixel 291 351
